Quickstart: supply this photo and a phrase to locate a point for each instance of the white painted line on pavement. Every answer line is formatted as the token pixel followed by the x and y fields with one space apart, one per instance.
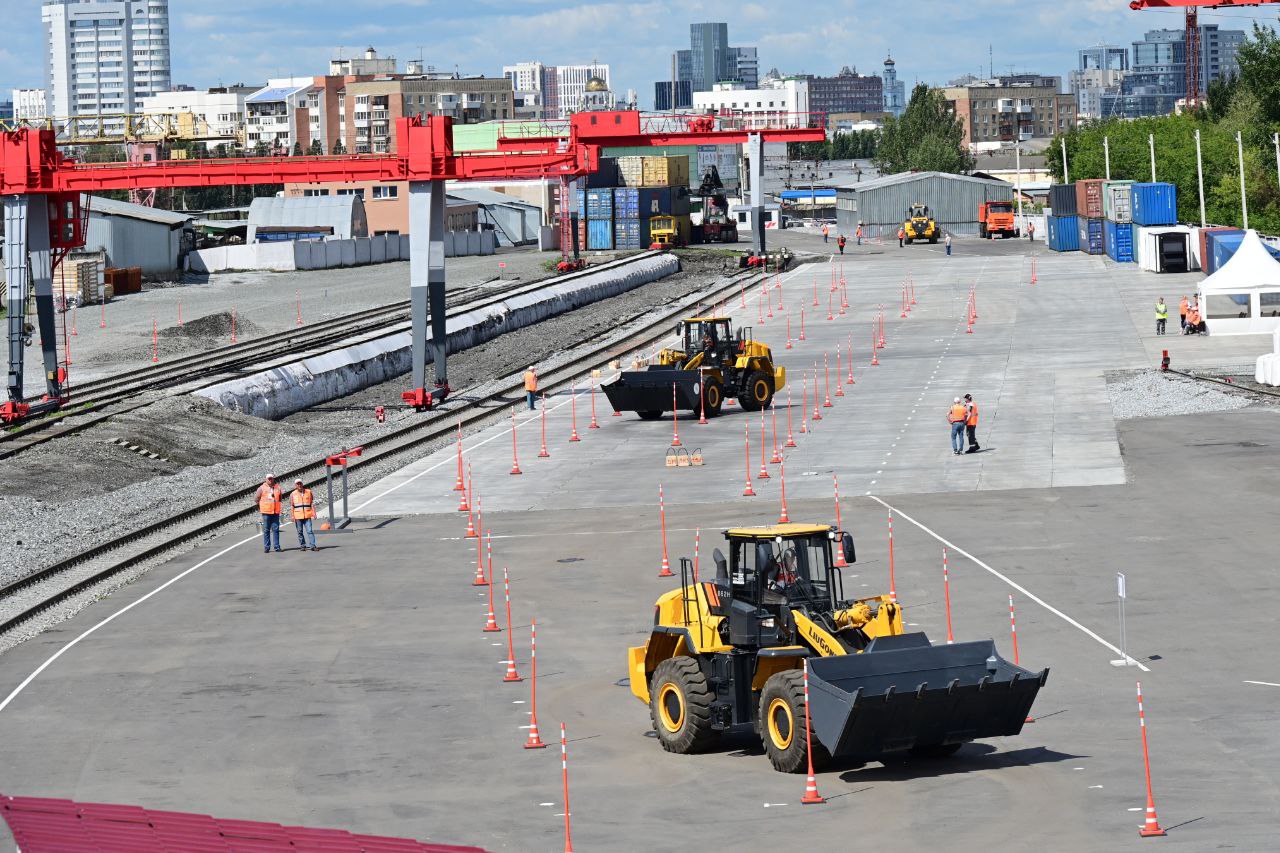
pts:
pixel 1012 583
pixel 1263 683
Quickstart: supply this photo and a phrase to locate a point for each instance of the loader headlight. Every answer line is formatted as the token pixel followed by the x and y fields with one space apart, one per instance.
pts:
pixel 767 623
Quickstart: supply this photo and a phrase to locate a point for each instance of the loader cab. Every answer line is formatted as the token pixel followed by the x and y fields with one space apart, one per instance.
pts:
pixel 707 334
pixel 772 570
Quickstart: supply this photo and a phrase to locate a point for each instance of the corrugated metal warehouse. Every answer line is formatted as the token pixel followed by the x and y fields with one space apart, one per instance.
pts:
pixel 953 199
pixel 283 218
pixel 133 235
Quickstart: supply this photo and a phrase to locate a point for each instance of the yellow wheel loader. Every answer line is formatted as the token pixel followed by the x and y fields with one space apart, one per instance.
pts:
pixel 711 363
pixel 920 224
pixel 725 655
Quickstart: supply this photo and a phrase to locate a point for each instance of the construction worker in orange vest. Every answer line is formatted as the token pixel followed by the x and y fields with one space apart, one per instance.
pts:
pixel 956 416
pixel 840 241
pixel 302 502
pixel 971 423
pixel 858 233
pixel 531 387
pixel 825 232
pixel 268 498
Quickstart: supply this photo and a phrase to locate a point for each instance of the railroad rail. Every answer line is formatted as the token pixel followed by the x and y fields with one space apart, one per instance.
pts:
pixel 1261 392
pixel 193 372
pixel 229 508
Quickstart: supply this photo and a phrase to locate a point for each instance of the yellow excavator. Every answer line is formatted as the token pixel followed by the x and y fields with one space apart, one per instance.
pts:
pixel 726 655
pixel 920 224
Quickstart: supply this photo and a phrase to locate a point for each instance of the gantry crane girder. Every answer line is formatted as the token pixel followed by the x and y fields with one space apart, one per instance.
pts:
pixel 32 170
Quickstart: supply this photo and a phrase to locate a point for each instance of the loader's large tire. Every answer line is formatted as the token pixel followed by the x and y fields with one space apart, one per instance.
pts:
pixel 713 397
pixel 680 706
pixel 649 416
pixel 781 724
pixel 757 393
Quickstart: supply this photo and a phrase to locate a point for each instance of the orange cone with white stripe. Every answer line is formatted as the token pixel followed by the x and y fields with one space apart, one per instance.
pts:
pixel 534 741
pixel 511 675
pixel 811 795
pixel 1151 825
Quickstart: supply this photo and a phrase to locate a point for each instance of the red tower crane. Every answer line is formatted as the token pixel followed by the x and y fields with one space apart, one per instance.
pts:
pixel 1193 8
pixel 44 216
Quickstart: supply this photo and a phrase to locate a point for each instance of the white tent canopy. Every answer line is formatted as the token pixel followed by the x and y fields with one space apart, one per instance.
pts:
pixel 1243 296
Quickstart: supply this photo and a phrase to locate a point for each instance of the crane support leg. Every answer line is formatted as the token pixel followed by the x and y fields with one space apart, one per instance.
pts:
pixel 28 266
pixel 755 159
pixel 426 279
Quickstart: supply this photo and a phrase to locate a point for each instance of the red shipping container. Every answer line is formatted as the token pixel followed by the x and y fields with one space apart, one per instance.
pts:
pixel 1203 237
pixel 1089 198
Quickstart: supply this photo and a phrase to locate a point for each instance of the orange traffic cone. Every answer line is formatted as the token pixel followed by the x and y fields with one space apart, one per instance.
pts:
pixel 595 424
pixel 491 622
pixel 1151 825
pixel 811 795
pixel 573 414
pixel 665 570
pixel 746 439
pixel 784 518
pixel 839 385
pixel 515 451
pixel 511 675
pixel 480 579
pixel 534 741
pixel 459 485
pixel 764 470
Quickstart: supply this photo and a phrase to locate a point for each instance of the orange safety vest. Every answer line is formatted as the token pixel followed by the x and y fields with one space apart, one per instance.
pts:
pixel 1182 306
pixel 530 381
pixel 269 499
pixel 957 414
pixel 973 415
pixel 302 508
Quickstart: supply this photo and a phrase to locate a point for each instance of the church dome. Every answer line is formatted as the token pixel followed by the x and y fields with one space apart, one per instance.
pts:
pixel 595 84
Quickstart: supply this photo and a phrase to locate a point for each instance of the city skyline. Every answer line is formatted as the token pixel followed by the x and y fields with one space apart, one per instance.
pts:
pixel 1044 40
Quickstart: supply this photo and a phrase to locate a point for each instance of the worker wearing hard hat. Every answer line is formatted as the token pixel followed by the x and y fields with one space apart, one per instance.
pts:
pixel 268 499
pixel 302 503
pixel 531 387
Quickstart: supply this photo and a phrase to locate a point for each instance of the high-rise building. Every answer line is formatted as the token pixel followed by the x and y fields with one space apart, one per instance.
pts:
pixel 103 56
pixel 846 92
pixel 1012 109
pixel 557 90
pixel 710 59
pixel 895 91
pixel 1157 78
pixel 30 104
pixel 1099 73
pixel 663 99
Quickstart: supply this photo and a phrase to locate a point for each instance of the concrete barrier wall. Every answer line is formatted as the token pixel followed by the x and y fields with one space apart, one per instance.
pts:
pixel 330 254
pixel 282 391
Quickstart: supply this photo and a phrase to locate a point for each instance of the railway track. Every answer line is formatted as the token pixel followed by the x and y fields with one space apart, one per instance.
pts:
pixel 100 399
pixel 181 528
pixel 1261 392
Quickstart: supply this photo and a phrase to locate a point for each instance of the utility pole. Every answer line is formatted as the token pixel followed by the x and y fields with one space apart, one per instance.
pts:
pixel 1151 142
pixel 1066 175
pixel 1200 176
pixel 1244 201
pixel 1275 140
pixel 1017 159
pixel 1106 154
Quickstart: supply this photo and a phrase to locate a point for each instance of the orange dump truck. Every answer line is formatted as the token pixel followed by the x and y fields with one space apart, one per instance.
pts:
pixel 996 217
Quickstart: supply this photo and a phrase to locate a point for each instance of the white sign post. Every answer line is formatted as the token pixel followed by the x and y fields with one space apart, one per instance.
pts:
pixel 1125 660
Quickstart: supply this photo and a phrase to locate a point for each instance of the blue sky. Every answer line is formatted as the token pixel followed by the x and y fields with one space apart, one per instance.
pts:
pixel 248 40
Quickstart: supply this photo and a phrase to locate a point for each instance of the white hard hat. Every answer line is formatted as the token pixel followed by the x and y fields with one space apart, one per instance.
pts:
pixel 957 399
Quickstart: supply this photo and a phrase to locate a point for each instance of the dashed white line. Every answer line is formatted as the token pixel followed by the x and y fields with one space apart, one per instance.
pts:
pixel 1263 683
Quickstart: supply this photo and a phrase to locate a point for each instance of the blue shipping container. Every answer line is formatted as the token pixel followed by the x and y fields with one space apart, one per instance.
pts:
pixel 600 204
pixel 1209 263
pixel 1154 204
pixel 1118 238
pixel 582 204
pixel 599 234
pixel 643 202
pixel 1091 236
pixel 626 233
pixel 1063 233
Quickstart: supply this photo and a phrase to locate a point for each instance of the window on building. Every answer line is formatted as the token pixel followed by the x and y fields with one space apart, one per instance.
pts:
pixel 312 193
pixel 381 192
pixel 351 190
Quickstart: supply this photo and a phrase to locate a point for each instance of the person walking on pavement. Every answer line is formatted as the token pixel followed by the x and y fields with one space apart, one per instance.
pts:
pixel 858 234
pixel 948 242
pixel 1182 313
pixel 302 502
pixel 956 416
pixel 971 423
pixel 268 498
pixel 1031 232
pixel 531 387
pixel 1162 315
pixel 825 232
pixel 840 241
pixel 901 236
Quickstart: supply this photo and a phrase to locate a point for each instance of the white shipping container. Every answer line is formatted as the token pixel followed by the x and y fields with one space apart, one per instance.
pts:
pixel 1146 245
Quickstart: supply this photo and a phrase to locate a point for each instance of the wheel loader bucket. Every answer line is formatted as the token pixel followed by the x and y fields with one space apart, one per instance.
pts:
pixel 902 692
pixel 650 390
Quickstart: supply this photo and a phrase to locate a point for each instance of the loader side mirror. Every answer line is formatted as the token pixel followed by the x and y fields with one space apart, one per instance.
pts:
pixel 846 543
pixel 722 565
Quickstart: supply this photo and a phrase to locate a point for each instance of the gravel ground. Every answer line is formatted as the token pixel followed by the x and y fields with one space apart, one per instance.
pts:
pixel 264 302
pixel 1153 394
pixel 62 496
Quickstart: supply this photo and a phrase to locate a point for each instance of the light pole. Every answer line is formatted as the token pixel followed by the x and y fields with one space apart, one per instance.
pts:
pixel 1066 175
pixel 1200 177
pixel 1244 201
pixel 1151 142
pixel 1106 154
pixel 1017 166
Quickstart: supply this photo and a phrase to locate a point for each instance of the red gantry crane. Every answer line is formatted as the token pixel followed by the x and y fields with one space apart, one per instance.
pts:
pixel 1193 8
pixel 45 214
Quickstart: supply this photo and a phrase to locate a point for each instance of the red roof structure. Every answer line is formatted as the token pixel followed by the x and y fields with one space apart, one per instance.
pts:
pixel 42 825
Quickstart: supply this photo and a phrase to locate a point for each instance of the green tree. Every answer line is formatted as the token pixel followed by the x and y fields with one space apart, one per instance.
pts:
pixel 297 149
pixel 316 149
pixel 927 137
pixel 1259 60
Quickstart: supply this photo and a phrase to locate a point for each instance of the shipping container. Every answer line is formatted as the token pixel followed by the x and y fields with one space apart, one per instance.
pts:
pixel 626 234
pixel 643 202
pixel 599 234
pixel 1062 233
pixel 1062 199
pixel 1166 248
pixel 1206 251
pixel 631 171
pixel 1115 201
pixel 1118 240
pixel 1089 201
pixel 1154 204
pixel 1091 236
pixel 600 204
pixel 606 175
pixel 581 201
pixel 666 171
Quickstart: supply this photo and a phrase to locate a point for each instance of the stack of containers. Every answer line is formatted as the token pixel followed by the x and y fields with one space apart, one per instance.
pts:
pixel 1206 247
pixel 1089 209
pixel 1062 229
pixel 1154 204
pixel 599 206
pixel 1117 234
pixel 652 186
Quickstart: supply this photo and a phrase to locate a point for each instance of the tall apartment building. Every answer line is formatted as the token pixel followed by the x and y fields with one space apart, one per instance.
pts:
pixel 710 59
pixel 672 95
pixel 1100 71
pixel 1157 77
pixel 219 111
pixel 557 90
pixel 895 91
pixel 368 63
pixel 103 56
pixel 30 104
pixel 846 92
pixel 775 102
pixel 1012 109
pixel 367 109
